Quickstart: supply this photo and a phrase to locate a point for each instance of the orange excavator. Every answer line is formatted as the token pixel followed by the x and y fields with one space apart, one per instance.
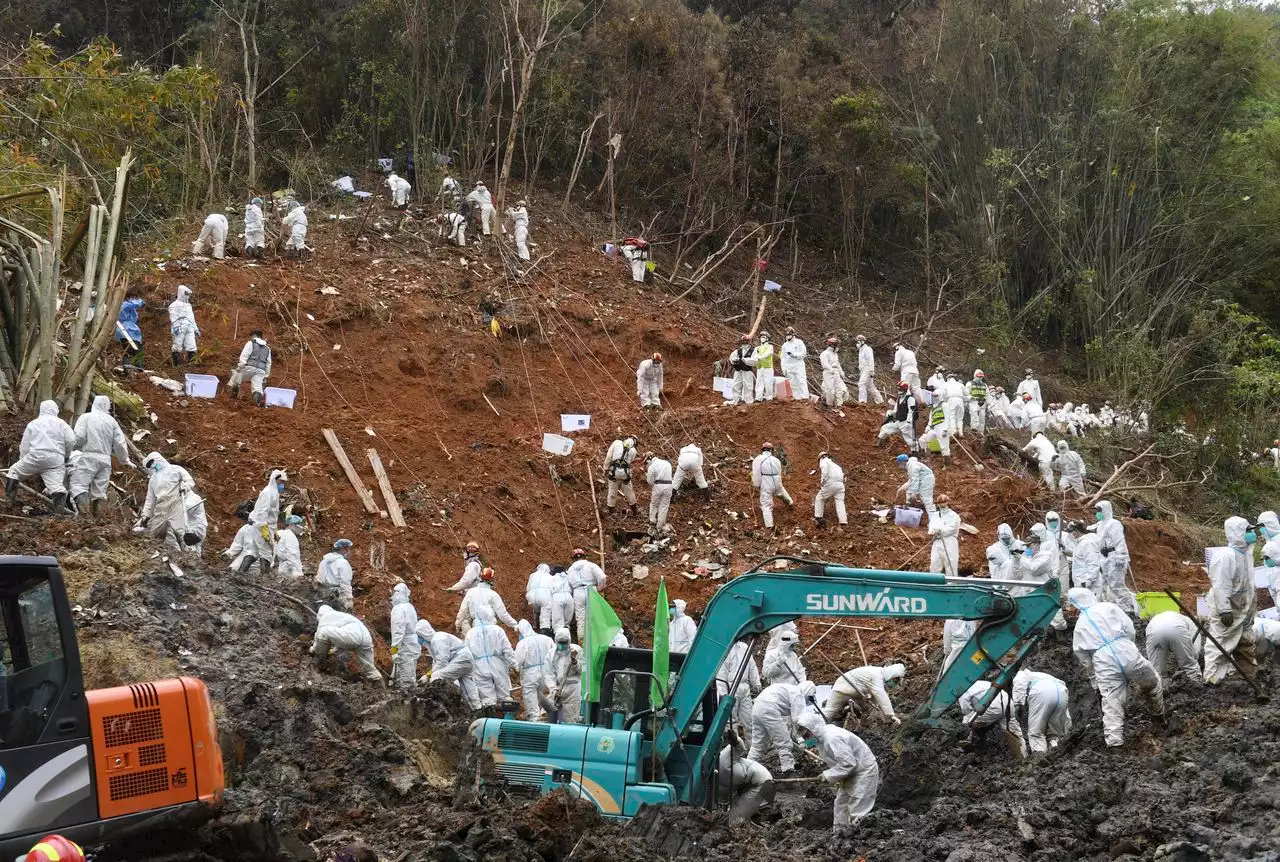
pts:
pixel 94 766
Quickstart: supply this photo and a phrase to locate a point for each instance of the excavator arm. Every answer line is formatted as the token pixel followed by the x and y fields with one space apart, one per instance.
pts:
pixel 761 600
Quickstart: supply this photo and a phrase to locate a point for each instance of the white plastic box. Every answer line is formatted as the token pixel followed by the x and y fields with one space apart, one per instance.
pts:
pixel 277 397
pixel 202 386
pixel 907 516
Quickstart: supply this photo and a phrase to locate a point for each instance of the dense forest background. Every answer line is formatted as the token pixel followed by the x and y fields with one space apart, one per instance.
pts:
pixel 1099 178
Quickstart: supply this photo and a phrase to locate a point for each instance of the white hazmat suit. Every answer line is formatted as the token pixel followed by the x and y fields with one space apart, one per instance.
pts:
pixel 944 527
pixel 851 767
pixel 867 375
pixel 336 630
pixel 689 465
pixel 533 653
pixel 1233 603
pixel 834 390
pixel 830 487
pixel 865 687
pixel 781 664
pixel 1048 713
pixel 451 661
pixel 649 376
pixel 766 475
pixel 1171 644
pixel 214 233
pixel 793 356
pixel 773 717
pixel 583 574
pixel 658 475
pixel 334 573
pixel 182 324
pixel 1115 560
pixel 520 223
pixel 493 656
pixel 405 648
pixel 98 437
pixel 999 713
pixel 682 629
pixel 739 659
pixel 45 450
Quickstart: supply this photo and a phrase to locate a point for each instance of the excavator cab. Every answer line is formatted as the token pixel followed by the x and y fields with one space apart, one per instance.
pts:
pixel 96 765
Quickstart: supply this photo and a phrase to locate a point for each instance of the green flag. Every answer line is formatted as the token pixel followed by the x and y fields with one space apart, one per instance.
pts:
pixel 602 626
pixel 661 648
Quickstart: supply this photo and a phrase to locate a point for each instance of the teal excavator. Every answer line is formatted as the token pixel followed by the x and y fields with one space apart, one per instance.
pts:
pixel 627 754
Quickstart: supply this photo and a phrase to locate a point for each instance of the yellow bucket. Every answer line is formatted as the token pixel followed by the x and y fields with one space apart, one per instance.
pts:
pixel 1150 604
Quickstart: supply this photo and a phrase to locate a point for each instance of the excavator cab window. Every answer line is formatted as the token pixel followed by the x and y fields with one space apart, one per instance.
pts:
pixel 33 666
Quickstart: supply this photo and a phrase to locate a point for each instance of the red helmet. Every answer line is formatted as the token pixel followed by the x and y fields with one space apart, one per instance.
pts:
pixel 55 848
pixel 766 445
pixel 486 574
pixel 978 374
pixel 657 357
pixel 833 340
pixel 903 385
pixel 473 547
pixel 745 337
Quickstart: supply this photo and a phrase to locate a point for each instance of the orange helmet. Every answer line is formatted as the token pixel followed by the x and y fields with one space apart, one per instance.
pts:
pixel 473 547
pixel 55 848
pixel 657 357
pixel 486 574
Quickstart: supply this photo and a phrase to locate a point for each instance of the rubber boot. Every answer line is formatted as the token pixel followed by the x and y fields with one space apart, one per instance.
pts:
pixel 235 391
pixel 177 358
pixel 257 399
pixel 96 508
pixel 11 486
pixel 264 567
pixel 82 503
pixel 946 459
pixel 819 522
pixel 635 510
pixel 191 356
pixel 60 503
pixel 246 563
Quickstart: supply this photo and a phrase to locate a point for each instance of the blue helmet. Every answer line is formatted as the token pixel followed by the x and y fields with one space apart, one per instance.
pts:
pixel 903 458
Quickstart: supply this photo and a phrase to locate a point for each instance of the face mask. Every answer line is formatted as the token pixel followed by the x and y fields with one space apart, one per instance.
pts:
pixel 1270 563
pixel 1029 552
pixel 422 641
pixel 1250 537
pixel 1053 526
pixel 1266 533
pixel 561 647
pixel 1097 516
pixel 280 487
pixel 811 742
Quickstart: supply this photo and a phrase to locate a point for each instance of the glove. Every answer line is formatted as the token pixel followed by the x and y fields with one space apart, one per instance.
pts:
pixel 140 526
pixel 1226 618
pixel 190 539
pixel 1106 552
pixel 265 530
pixel 395 650
pixel 226 555
pixel 897 722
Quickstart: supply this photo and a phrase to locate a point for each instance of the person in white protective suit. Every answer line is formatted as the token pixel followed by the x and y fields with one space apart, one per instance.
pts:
pixel 399 188
pixel 1071 469
pixel 255 235
pixel 494 657
pixel 451 662
pixel 254 365
pixel 904 362
pixel 1103 644
pixel 1016 413
pixel 564 695
pixel 1049 560
pixel 834 390
pixel 830 487
pixel 794 353
pixel 1266 636
pixel 295 222
pixel 519 215
pixel 935 429
pixel 764 369
pixel 264 517
pixel 1233 603
pixel 453 227
pixel 863 688
pixel 741 361
pixel 1269 529
pixel 617 472
pixel 658 476
pixel 213 233
pixel 537 595
pixel 45 451
pixel 955 634
pixel 345 633
pixel 1171 646
pixel 999 713
pixel 481 199
pixel 738 660
pixel 746 784
pixel 583 574
pixel 937 382
pixel 471 569
pixel 919 484
pixel 978 402
pixel 98 437
pixel 689 465
pixel 682 629
pixel 1115 560
pixel 334 573
pixel 944 527
pixel 782 662
pixel 405 648
pixel 867 372
pixel 1048 708
pixel 1030 386
pixel 649 382
pixel 901 419
pixel 956 393
pixel 534 653
pixel 562 607
pixel 241 545
pixel 851 767
pixel 165 510
pixel 450 194
pixel 766 476
pixel 1042 452
pixel 288 553
pixel 482 595
pixel 773 717
pixel 1037 419
pixel 1000 554
pixel 182 326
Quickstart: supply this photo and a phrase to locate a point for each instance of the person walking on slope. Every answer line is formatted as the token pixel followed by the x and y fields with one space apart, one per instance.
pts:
pixel 482 595
pixel 764 369
pixel 399 188
pixel 1115 560
pixel 689 465
pixel 945 528
pixel 255 235
pixel 98 437
pixel 405 649
pixel 658 475
pixel 582 575
pixel 45 451
pixel 519 215
pixel 834 390
pixel 471 569
pixel 534 654
pixel 904 362
pixel 1233 603
pixel 830 487
pixel 793 356
pixel 482 203
pixel 334 574
pixel 867 372
pixel 851 767
pixel 649 382
pixel 1071 469
pixel 182 325
pixel 937 429
pixel 741 361
pixel 1103 644
pixel 902 420
pixel 956 393
pixel 766 475
pixel 214 232
pixel 494 658
pixel 978 403
pixel 295 222
pixel 617 472
pixel 255 364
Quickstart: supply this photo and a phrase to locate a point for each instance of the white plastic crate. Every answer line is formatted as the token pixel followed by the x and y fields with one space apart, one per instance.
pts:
pixel 276 397
pixel 202 386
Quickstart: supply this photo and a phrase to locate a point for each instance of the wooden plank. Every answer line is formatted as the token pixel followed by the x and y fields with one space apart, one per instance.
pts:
pixel 393 505
pixel 366 497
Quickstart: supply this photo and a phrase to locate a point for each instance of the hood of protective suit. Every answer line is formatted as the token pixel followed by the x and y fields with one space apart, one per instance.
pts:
pixel 1081 598
pixel 1105 508
pixel 1004 533
pixel 543 569
pixel 1235 528
pixel 679 606
pixel 48 408
pixel 1038 530
pixel 524 629
pixel 894 671
pixel 277 476
pixel 1067 408
pixel 400 594
pixel 1063 447
pixel 808 688
pixel 485 616
pixel 562 635
pixel 101 404
pixel 811 721
pixel 425 630
pixel 325 614
pixel 184 293
pixel 153 460
pixel 1271 522
pixel 1052 516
